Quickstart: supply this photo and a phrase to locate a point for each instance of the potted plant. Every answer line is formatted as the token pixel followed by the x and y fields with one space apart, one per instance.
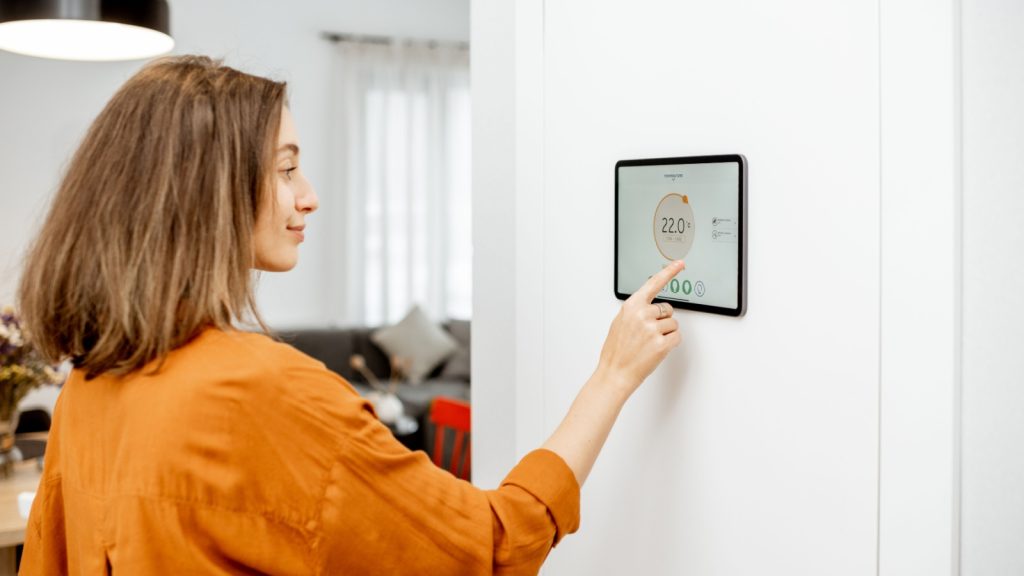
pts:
pixel 21 370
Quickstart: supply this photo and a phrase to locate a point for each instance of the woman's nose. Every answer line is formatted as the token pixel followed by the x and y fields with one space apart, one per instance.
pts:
pixel 307 200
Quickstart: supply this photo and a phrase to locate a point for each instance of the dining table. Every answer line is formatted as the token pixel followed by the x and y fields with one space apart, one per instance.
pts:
pixel 23 478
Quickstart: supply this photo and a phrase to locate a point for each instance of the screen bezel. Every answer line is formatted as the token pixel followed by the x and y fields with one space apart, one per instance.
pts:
pixel 741 272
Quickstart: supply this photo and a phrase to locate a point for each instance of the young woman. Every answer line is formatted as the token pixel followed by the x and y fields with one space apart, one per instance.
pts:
pixel 183 445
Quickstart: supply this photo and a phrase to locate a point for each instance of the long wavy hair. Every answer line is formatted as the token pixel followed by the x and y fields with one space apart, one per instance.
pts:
pixel 149 238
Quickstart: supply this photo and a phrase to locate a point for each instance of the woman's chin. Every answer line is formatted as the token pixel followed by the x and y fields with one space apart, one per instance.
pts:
pixel 276 264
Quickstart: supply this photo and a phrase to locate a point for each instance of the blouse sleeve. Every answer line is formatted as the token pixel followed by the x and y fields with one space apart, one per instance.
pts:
pixel 388 510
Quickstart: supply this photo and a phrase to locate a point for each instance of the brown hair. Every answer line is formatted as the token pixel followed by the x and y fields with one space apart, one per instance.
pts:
pixel 150 236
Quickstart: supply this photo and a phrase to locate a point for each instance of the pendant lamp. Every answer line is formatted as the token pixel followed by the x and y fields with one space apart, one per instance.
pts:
pixel 85 29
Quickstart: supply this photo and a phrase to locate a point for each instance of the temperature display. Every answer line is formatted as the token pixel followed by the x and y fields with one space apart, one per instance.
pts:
pixel 673 226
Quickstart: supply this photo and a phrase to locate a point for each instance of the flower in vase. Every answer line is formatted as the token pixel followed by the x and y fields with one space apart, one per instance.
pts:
pixel 21 368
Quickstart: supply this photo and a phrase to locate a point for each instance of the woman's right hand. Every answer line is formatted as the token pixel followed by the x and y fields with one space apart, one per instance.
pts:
pixel 638 340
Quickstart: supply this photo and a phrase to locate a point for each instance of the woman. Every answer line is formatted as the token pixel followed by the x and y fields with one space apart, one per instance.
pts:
pixel 182 445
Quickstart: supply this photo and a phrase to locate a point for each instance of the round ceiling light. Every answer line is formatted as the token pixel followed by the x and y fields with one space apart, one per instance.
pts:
pixel 85 29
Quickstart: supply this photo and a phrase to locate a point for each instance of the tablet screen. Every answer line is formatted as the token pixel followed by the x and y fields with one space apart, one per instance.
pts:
pixel 688 209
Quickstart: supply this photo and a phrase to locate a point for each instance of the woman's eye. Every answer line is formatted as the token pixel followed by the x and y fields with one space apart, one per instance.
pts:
pixel 288 172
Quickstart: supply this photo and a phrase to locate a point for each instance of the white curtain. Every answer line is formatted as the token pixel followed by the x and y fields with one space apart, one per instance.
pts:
pixel 401 163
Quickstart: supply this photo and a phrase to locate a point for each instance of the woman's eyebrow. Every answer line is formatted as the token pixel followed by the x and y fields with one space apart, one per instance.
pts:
pixel 293 148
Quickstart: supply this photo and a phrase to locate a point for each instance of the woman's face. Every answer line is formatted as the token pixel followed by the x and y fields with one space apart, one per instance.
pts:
pixel 279 226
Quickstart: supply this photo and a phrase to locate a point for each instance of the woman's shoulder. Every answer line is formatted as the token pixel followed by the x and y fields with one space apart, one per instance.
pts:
pixel 248 347
pixel 258 369
pixel 249 353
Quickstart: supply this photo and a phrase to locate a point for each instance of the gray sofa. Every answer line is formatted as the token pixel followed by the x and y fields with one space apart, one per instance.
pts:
pixel 335 346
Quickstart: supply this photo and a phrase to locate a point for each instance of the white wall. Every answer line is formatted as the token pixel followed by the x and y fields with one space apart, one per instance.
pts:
pixel 920 297
pixel 758 431
pixel 865 416
pixel 46 106
pixel 993 283
pixel 752 450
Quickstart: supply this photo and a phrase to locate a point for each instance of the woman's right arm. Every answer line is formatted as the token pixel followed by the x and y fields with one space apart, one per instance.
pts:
pixel 385 509
pixel 637 342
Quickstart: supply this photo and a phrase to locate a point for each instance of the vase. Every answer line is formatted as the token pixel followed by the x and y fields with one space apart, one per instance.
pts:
pixel 8 454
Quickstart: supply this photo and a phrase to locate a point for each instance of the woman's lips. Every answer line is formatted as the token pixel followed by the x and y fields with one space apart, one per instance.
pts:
pixel 298 232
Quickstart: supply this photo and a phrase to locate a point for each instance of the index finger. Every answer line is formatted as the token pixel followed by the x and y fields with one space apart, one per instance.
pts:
pixel 655 283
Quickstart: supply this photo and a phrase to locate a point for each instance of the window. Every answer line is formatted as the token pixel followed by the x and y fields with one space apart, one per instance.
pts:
pixel 402 141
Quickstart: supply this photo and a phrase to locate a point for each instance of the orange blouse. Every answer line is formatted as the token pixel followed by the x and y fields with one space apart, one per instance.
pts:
pixel 243 455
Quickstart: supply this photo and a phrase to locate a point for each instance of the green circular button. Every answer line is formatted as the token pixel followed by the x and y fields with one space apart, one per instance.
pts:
pixel 687 287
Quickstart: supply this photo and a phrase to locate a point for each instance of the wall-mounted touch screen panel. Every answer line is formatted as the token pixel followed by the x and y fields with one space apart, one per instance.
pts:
pixel 691 209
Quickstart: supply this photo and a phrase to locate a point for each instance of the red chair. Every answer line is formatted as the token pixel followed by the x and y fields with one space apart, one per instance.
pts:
pixel 450 414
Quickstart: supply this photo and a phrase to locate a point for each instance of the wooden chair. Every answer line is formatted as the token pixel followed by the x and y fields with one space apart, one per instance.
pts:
pixel 450 414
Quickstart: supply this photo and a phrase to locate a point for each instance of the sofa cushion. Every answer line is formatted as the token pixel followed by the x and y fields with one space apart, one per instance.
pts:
pixel 419 339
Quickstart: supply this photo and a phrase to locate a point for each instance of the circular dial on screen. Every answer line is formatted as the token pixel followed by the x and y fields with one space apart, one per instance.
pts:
pixel 673 226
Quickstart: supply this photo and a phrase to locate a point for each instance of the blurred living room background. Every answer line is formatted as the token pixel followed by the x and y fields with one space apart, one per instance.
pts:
pixel 379 90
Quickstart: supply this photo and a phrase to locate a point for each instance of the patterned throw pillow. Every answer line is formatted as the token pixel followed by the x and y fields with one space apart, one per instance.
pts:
pixel 417 338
